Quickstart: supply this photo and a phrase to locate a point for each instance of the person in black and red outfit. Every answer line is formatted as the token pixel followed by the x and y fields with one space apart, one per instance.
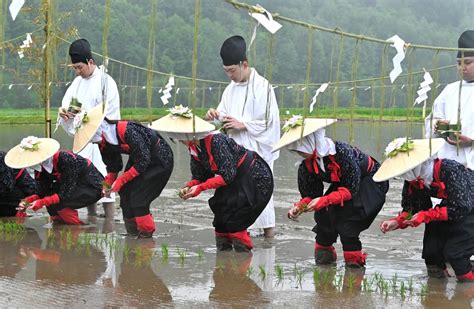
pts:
pixel 353 199
pixel 15 185
pixel 242 179
pixel 147 171
pixel 449 226
pixel 66 181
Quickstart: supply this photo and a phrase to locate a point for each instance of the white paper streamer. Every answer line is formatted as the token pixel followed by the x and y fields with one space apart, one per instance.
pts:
pixel 399 44
pixel 322 88
pixel 424 88
pixel 254 34
pixel 15 8
pixel 265 18
pixel 166 92
pixel 25 45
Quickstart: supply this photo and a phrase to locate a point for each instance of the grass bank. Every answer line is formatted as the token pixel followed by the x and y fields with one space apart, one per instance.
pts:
pixel 36 116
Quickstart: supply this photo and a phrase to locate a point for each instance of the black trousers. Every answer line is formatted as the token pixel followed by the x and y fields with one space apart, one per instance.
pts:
pixel 450 241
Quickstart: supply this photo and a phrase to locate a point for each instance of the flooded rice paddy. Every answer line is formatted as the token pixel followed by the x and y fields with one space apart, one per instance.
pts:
pixel 46 265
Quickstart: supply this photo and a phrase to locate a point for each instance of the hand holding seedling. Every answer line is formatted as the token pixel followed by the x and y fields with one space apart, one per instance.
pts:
pixel 389 225
pixel 189 192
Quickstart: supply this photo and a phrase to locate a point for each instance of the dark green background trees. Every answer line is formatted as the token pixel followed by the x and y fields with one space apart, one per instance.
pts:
pixel 427 22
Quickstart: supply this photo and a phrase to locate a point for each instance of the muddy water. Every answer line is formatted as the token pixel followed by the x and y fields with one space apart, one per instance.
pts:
pixel 95 266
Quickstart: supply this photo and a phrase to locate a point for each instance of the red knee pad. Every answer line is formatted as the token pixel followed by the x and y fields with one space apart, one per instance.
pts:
pixel 355 258
pixel 469 277
pixel 70 216
pixel 145 223
pixel 243 237
pixel 318 247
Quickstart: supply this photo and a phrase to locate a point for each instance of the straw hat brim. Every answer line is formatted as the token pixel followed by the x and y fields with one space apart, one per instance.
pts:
pixel 178 124
pixel 310 125
pixel 18 157
pixel 405 161
pixel 84 134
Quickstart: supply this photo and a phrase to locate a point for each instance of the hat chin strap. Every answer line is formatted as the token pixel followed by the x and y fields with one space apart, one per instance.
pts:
pixel 423 171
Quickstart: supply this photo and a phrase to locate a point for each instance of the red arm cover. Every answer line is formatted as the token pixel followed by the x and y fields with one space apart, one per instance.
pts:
pixel 337 197
pixel 211 183
pixel 124 178
pixel 434 214
pixel 45 201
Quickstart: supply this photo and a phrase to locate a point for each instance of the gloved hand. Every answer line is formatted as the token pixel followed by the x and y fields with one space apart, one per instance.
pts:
pixel 434 214
pixel 401 218
pixel 211 183
pixel 110 178
pixel 21 214
pixel 337 197
pixel 124 178
pixel 107 184
pixel 31 198
pixel 298 208
pixel 45 201
pixel 192 183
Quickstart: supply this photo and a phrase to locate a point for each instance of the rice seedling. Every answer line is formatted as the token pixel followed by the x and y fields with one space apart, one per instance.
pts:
pixel 423 290
pixel 263 272
pixel 326 277
pixel 394 281
pixel 351 281
pixel 200 254
pixel 410 285
pixel 279 272
pixel 249 271
pixel 182 255
pixel 126 251
pixel 402 290
pixel 164 251
pixel 316 276
pixel 366 285
pixel 220 266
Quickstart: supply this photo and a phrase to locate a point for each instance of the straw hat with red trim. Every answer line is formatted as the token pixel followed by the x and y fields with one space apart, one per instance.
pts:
pixel 31 151
pixel 295 129
pixel 179 124
pixel 404 154
pixel 87 126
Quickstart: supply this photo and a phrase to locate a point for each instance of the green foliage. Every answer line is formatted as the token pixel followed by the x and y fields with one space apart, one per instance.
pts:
pixel 128 42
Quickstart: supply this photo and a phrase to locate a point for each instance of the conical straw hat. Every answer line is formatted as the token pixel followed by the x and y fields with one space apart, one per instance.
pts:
pixel 181 125
pixel 402 162
pixel 85 133
pixel 31 151
pixel 293 134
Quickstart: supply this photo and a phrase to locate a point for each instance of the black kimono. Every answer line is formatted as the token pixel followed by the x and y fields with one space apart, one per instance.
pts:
pixel 149 154
pixel 248 178
pixel 352 169
pixel 14 186
pixel 451 240
pixel 73 178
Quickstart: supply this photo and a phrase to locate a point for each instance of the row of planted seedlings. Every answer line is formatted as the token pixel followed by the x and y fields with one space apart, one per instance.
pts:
pixel 113 243
pixel 349 280
pixel 12 231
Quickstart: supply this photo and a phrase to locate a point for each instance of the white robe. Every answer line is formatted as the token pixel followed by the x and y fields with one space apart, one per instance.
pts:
pixel 254 103
pixel 88 91
pixel 446 107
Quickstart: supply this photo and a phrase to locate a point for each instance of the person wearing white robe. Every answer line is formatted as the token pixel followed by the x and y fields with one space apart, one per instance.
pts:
pixel 250 114
pixel 446 105
pixel 90 87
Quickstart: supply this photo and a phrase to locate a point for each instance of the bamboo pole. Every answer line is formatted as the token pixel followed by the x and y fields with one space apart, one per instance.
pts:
pixel 47 66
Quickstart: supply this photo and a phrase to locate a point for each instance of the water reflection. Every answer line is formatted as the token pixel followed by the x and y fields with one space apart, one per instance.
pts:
pixel 136 278
pixel 15 250
pixel 113 271
pixel 232 285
